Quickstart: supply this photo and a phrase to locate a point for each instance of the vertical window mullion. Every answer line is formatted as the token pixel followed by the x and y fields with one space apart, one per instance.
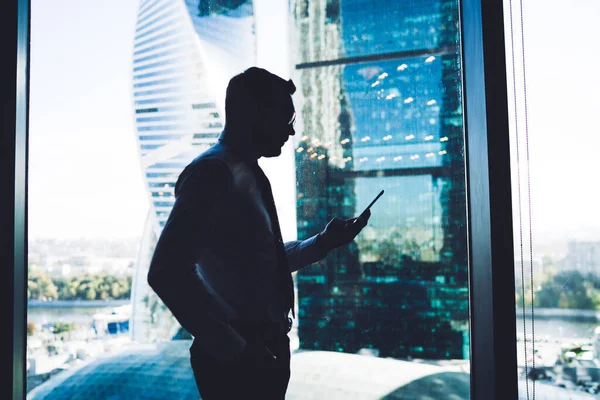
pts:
pixel 493 326
pixel 14 47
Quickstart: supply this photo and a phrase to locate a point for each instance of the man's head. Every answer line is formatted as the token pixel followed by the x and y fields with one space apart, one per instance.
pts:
pixel 259 104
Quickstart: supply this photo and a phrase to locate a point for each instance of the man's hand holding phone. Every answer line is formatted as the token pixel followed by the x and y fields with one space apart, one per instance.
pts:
pixel 340 232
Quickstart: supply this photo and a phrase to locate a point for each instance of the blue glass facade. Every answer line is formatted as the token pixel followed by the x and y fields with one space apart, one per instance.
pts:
pixel 394 123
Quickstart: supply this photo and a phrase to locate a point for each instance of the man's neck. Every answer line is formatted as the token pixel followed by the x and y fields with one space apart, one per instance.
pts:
pixel 241 144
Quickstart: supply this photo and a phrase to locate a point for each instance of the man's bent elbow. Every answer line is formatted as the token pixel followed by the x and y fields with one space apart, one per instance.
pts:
pixel 154 281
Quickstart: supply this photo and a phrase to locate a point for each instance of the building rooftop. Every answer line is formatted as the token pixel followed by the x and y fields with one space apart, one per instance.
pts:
pixel 162 371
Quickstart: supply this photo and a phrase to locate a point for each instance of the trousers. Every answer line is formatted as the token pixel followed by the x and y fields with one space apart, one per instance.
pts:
pixel 253 375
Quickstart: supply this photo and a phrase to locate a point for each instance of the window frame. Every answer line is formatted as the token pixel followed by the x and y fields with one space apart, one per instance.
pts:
pixel 14 22
pixel 489 213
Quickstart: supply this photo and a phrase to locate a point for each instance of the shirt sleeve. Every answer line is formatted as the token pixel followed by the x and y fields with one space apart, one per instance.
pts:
pixel 173 273
pixel 302 253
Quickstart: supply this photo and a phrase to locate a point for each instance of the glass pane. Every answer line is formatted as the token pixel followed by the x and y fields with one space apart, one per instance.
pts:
pixel 362 28
pixel 556 218
pixel 126 109
pixel 400 291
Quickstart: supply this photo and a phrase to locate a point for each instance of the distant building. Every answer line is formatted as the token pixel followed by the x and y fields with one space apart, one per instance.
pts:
pixel 184 54
pixel 583 257
pixel 380 106
pixel 523 269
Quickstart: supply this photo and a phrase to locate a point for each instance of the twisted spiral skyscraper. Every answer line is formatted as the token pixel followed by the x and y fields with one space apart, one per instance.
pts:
pixel 184 54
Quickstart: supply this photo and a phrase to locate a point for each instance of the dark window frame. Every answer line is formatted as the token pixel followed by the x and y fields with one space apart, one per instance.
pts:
pixel 14 46
pixel 490 231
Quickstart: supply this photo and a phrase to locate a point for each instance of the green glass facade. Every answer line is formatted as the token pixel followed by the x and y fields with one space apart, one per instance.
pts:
pixel 379 106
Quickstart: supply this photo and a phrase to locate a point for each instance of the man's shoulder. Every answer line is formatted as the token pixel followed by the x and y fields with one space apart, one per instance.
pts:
pixel 209 168
pixel 211 159
pixel 216 151
pixel 217 155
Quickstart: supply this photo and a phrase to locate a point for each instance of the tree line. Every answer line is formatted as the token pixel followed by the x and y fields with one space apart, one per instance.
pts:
pixel 564 289
pixel 83 287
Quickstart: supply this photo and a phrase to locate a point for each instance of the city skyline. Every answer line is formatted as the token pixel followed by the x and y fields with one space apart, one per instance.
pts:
pixel 61 84
pixel 401 289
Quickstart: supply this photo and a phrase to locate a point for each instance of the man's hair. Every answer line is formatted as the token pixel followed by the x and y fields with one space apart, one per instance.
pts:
pixel 254 90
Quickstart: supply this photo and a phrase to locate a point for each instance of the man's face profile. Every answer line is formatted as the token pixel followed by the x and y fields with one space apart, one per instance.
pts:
pixel 260 104
pixel 277 125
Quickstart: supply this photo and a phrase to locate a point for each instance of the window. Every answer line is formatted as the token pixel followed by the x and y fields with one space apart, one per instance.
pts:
pixel 143 25
pixel 146 110
pixel 167 165
pixel 556 219
pixel 159 100
pixel 379 105
pixel 158 119
pixel 157 64
pixel 203 105
pixel 156 82
pixel 384 125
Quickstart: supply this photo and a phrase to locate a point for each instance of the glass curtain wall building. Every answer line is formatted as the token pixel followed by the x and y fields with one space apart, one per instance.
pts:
pixel 184 54
pixel 379 102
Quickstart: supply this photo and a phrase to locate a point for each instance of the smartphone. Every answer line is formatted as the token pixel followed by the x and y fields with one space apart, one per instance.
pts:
pixel 373 202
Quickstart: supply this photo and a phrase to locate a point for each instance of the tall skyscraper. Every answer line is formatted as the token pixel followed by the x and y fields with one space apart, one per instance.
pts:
pixel 581 256
pixel 184 54
pixel 380 108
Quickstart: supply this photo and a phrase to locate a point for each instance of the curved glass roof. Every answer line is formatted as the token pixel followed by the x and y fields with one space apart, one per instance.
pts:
pixel 158 371
pixel 163 371
pixel 333 376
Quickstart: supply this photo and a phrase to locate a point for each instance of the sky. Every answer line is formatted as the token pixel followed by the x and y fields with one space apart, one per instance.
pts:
pixel 563 87
pixel 85 178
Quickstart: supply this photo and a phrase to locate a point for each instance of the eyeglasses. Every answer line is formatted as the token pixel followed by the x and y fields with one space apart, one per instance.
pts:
pixel 292 121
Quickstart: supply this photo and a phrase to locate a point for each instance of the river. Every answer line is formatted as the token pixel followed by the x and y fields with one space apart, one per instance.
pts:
pixel 79 312
pixel 558 328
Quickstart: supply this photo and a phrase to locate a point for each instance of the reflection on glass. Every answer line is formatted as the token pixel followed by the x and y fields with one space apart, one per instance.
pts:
pixel 401 290
pixel 366 27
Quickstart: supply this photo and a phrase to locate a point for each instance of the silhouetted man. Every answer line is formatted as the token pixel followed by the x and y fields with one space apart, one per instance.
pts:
pixel 220 264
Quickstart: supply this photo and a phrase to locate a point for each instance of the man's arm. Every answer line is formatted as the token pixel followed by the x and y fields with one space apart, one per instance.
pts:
pixel 302 253
pixel 173 274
